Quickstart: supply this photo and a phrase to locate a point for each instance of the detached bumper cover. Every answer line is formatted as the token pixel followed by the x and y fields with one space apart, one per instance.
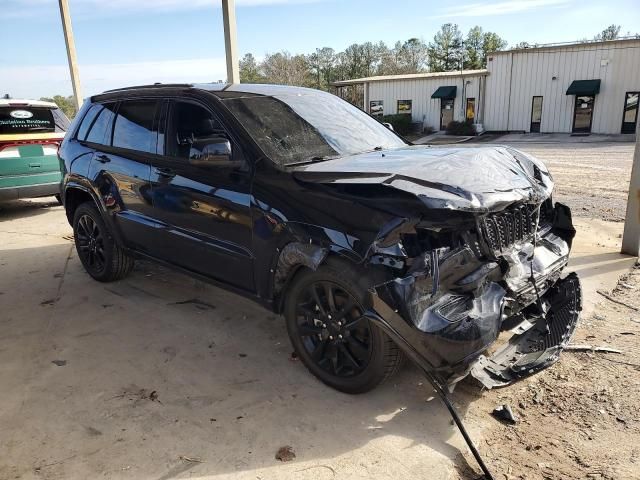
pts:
pixel 541 341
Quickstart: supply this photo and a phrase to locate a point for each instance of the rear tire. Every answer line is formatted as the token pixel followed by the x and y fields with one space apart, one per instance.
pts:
pixel 101 257
pixel 336 344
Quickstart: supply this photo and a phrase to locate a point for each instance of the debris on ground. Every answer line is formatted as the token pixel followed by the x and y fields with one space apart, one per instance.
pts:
pixel 293 357
pixel 619 302
pixel 184 458
pixel 505 414
pixel 591 348
pixel 285 454
pixel 137 394
pixel 196 302
pixel 60 363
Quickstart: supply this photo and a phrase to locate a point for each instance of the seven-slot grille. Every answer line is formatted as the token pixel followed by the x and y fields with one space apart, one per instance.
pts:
pixel 503 229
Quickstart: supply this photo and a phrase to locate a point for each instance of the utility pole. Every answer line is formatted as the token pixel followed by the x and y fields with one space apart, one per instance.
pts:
pixel 71 51
pixel 231 40
pixel 631 236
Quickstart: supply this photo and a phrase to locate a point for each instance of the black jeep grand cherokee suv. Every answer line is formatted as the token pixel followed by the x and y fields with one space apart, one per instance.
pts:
pixel 372 248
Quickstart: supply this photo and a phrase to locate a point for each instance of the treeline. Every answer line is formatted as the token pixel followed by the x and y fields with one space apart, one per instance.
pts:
pixel 449 50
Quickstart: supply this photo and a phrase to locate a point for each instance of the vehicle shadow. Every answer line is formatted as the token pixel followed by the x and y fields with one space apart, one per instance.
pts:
pixel 26 208
pixel 160 374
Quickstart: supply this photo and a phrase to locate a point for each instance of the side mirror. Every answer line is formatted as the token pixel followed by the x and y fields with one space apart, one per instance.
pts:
pixel 388 125
pixel 210 151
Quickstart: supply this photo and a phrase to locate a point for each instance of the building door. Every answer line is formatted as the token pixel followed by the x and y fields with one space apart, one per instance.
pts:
pixel 583 113
pixel 630 114
pixel 536 114
pixel 446 112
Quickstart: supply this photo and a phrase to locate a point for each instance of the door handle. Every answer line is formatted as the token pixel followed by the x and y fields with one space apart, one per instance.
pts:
pixel 165 172
pixel 102 158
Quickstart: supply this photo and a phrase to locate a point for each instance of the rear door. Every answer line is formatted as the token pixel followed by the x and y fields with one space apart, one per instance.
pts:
pixel 205 209
pixel 124 137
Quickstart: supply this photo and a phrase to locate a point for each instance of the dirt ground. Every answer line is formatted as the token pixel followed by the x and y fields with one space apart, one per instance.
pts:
pixel 160 376
pixel 580 419
pixel 592 178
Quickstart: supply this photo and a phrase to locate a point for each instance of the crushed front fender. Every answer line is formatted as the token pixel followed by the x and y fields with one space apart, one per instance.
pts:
pixel 451 305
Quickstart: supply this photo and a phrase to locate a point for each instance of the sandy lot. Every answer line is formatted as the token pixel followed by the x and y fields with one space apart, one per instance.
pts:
pixel 592 178
pixel 160 376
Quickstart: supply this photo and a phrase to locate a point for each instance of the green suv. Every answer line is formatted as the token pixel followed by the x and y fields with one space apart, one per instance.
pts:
pixel 30 133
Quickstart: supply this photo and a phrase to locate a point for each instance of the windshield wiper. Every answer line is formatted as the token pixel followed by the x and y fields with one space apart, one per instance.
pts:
pixel 315 159
pixel 40 128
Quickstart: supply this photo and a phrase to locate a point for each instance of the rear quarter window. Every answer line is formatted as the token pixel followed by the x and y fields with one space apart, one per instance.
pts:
pixel 96 125
pixel 19 119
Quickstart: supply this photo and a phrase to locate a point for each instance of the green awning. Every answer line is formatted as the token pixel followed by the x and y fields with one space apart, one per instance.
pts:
pixel 445 92
pixel 584 87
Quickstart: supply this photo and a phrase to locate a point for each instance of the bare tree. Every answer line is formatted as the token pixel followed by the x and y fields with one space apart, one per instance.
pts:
pixel 285 69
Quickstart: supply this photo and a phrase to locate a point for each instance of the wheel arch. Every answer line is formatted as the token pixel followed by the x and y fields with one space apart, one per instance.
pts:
pixel 75 195
pixel 295 257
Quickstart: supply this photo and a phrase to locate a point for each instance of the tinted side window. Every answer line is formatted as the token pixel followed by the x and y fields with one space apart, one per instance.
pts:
pixel 134 128
pixel 188 124
pixel 87 121
pixel 99 131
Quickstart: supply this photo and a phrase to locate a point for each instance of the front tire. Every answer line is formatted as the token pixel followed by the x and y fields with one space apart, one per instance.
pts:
pixel 101 257
pixel 324 315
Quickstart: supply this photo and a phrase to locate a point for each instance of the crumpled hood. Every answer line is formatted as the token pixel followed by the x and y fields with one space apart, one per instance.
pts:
pixel 462 178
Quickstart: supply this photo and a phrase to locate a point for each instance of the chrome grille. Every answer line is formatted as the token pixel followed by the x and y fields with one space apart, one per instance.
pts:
pixel 501 230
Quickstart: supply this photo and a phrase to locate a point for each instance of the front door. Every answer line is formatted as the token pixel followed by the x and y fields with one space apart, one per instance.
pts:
pixel 630 115
pixel 583 113
pixel 536 115
pixel 446 112
pixel 205 209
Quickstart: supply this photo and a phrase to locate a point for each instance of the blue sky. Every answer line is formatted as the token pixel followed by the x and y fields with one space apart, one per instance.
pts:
pixel 122 42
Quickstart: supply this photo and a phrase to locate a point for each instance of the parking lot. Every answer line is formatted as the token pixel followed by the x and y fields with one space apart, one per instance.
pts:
pixel 161 376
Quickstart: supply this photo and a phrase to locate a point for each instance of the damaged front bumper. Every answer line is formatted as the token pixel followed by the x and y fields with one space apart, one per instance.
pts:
pixel 452 305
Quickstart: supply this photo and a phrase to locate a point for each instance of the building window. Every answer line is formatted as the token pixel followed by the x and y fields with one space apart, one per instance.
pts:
pixel 536 114
pixel 470 114
pixel 630 114
pixel 404 107
pixel 375 108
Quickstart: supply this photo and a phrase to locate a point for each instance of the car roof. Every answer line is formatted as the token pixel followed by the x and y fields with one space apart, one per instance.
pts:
pixel 19 102
pixel 222 90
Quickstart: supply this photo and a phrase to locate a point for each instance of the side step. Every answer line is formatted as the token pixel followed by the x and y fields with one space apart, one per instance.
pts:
pixel 539 347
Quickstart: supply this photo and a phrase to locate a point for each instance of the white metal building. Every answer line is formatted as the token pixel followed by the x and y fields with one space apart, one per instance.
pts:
pixel 435 99
pixel 575 88
pixel 583 87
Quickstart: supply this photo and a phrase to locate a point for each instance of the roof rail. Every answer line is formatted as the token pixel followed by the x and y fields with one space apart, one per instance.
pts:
pixel 155 85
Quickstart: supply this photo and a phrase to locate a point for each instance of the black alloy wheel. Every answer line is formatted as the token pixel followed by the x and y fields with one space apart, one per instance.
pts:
pixel 333 339
pixel 334 333
pixel 90 244
pixel 100 255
